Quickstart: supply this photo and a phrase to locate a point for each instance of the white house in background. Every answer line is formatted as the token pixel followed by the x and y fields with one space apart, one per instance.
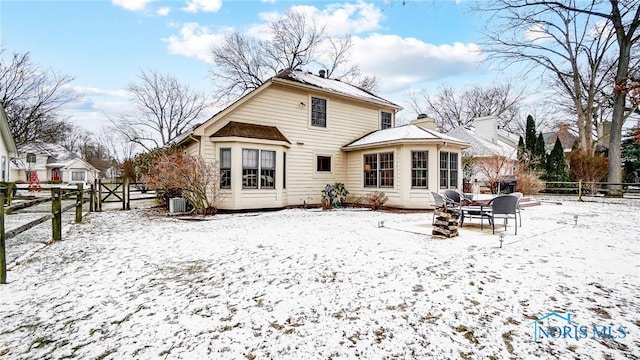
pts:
pixel 487 140
pixel 52 162
pixel 7 148
pixel 280 145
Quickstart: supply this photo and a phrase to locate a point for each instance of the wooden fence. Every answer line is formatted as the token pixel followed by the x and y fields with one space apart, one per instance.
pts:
pixel 581 188
pixel 98 194
pixel 55 216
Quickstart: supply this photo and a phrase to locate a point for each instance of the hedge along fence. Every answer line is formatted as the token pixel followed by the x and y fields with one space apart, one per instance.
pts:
pixel 55 217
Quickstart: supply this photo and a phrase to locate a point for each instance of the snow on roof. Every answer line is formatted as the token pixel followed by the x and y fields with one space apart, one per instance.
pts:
pixel 333 85
pixel 57 152
pixel 401 133
pixel 481 146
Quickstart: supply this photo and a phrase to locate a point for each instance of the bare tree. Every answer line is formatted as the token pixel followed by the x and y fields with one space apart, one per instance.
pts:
pixel 452 109
pixel 240 66
pixel 560 40
pixel 164 108
pixel 338 66
pixel 293 41
pixel 32 98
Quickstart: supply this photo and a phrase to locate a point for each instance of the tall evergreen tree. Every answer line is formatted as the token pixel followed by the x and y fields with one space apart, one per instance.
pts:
pixel 631 155
pixel 522 150
pixel 530 135
pixel 556 165
pixel 539 152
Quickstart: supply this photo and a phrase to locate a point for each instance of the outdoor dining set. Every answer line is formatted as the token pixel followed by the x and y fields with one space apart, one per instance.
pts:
pixel 497 207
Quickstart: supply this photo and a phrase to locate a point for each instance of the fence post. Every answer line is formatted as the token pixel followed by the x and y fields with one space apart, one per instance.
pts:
pixel 99 194
pixel 10 187
pixel 580 190
pixel 124 199
pixel 128 186
pixel 91 199
pixel 79 203
pixel 3 258
pixel 56 210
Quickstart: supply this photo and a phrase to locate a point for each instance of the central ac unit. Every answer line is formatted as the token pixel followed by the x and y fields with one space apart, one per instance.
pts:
pixel 177 205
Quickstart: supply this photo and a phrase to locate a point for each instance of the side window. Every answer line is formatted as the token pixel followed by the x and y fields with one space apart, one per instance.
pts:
pixel 225 168
pixel 385 120
pixel 323 163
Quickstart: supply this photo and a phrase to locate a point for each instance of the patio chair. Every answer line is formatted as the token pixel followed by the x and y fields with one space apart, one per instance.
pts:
pixel 519 196
pixel 504 207
pixel 453 195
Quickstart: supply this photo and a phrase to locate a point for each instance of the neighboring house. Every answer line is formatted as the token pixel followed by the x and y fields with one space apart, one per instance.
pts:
pixel 567 139
pixel 51 162
pixel 7 148
pixel 280 145
pixel 486 140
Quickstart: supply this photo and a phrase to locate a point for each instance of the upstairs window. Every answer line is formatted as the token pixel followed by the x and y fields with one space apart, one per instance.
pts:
pixel 318 112
pixel 31 158
pixel 385 120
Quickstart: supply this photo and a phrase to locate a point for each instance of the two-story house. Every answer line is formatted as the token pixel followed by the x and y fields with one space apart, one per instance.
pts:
pixel 280 145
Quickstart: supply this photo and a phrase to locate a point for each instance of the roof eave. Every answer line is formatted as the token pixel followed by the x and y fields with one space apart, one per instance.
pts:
pixel 286 144
pixel 320 89
pixel 462 145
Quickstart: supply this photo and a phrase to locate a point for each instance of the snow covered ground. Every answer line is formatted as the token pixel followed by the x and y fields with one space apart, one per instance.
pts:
pixel 307 284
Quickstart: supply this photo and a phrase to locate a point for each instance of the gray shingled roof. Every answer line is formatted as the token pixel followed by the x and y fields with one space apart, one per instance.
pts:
pixel 251 131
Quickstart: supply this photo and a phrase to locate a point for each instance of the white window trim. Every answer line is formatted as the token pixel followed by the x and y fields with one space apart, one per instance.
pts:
pixel 380 118
pixel 379 169
pixel 412 168
pixel 315 164
pixel 259 174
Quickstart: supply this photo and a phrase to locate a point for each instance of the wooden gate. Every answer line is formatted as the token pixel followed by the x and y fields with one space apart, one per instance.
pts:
pixel 122 192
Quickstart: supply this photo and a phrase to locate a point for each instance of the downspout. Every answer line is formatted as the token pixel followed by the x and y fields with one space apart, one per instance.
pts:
pixel 199 144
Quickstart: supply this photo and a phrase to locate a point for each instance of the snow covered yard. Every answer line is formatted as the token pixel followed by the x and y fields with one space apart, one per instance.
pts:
pixel 299 284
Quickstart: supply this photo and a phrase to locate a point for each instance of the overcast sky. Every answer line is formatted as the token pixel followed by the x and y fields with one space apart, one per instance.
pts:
pixel 105 44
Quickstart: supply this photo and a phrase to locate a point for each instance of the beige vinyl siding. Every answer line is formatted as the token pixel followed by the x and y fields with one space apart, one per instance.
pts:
pixel 402 195
pixel 281 107
pixel 355 175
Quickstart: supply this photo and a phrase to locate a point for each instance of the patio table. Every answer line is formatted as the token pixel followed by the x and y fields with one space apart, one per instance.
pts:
pixel 475 208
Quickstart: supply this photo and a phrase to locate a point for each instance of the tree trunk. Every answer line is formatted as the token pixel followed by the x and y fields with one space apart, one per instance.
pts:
pixel 625 41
